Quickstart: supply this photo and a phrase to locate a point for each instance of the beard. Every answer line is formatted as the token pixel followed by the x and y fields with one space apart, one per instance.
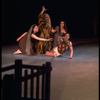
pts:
pixel 47 21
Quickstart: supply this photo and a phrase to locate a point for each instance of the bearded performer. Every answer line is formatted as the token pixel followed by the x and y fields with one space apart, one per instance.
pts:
pixel 45 31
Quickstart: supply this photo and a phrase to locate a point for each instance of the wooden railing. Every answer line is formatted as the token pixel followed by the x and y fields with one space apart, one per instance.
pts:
pixel 29 82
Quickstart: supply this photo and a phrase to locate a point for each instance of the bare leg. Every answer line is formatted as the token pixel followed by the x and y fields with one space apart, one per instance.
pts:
pixel 17 52
pixel 56 52
pixel 49 53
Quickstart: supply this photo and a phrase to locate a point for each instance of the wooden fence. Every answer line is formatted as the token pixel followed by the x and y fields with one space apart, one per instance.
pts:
pixel 29 82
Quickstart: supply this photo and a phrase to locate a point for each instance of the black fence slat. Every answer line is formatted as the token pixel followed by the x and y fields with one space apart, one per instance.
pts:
pixel 8 87
pixel 18 73
pixel 43 85
pixel 7 68
pixel 37 86
pixel 32 66
pixel 32 84
pixel 25 85
pixel 47 89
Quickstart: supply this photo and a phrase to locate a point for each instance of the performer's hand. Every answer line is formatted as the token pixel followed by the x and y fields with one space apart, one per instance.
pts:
pixel 18 39
pixel 51 39
pixel 43 9
pixel 53 30
pixel 69 57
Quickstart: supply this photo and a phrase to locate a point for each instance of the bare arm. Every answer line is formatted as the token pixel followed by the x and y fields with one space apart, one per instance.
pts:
pixel 71 51
pixel 41 39
pixel 43 9
pixel 21 36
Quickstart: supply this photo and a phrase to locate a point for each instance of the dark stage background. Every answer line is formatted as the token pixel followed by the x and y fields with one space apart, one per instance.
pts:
pixel 17 16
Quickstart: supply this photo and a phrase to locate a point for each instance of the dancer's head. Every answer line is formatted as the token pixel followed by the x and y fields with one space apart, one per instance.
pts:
pixel 62 24
pixel 47 19
pixel 67 36
pixel 46 16
pixel 35 28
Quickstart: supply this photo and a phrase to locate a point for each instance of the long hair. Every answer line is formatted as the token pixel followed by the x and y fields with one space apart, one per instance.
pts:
pixel 65 26
pixel 49 19
pixel 28 41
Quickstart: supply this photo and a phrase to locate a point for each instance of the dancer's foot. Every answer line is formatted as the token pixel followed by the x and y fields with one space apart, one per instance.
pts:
pixel 17 52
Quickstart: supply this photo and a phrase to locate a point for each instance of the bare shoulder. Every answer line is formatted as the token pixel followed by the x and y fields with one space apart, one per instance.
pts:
pixel 70 43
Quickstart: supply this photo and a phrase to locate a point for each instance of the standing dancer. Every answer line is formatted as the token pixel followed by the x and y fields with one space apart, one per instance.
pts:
pixel 45 31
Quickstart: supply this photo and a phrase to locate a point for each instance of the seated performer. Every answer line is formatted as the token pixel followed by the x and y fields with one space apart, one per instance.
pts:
pixel 61 30
pixel 63 44
pixel 26 41
pixel 61 41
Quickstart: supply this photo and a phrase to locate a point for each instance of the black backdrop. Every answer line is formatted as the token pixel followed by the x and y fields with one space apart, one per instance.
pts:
pixel 19 15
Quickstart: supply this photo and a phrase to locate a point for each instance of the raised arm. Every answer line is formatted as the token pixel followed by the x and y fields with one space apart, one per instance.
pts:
pixel 21 36
pixel 43 10
pixel 40 39
pixel 71 51
pixel 40 17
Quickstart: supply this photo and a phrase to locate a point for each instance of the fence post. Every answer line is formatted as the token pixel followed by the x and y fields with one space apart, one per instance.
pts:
pixel 32 84
pixel 48 76
pixel 43 84
pixel 8 85
pixel 25 84
pixel 18 73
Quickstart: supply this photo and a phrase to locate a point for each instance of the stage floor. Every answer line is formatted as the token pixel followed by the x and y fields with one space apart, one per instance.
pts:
pixel 71 79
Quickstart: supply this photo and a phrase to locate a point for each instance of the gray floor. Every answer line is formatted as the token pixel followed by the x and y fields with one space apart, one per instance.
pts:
pixel 71 79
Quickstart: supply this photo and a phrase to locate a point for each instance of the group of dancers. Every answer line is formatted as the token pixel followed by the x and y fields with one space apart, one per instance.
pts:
pixel 44 39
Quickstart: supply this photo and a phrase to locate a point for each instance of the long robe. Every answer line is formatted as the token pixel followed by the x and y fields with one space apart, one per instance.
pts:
pixel 44 32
